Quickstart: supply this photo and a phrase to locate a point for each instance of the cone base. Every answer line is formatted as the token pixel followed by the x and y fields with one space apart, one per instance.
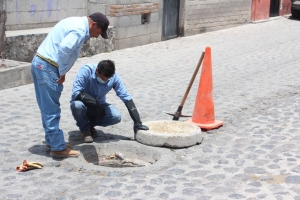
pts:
pixel 210 126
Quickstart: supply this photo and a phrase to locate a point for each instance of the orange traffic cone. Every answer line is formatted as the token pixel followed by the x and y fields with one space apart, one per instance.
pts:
pixel 204 112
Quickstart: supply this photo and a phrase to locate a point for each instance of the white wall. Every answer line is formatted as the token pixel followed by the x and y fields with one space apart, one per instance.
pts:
pixel 28 14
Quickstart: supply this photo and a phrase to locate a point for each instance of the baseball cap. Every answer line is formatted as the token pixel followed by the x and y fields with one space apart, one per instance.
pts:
pixel 102 21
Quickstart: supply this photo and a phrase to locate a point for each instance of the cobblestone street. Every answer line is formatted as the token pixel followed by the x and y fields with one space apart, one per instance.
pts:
pixel 254 155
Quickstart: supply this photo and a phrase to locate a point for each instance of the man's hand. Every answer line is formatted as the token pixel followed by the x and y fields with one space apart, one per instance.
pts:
pixel 100 111
pixel 135 116
pixel 139 126
pixel 61 79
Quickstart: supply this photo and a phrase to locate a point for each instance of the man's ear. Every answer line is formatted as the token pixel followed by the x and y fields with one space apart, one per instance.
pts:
pixel 95 24
pixel 92 24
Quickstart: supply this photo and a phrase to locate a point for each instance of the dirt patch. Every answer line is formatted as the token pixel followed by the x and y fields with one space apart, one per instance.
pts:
pixel 272 179
pixel 170 127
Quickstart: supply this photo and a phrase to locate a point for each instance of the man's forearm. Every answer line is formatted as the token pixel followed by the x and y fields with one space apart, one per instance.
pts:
pixel 87 99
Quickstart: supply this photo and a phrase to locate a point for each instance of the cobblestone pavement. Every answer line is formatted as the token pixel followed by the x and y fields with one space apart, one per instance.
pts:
pixel 255 155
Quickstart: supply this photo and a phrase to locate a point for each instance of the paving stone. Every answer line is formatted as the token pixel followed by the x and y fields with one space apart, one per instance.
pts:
pixel 293 179
pixel 236 196
pixel 192 191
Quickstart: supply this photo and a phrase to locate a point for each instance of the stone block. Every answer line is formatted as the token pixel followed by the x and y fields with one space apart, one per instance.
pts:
pixel 71 12
pixel 16 6
pixel 81 12
pixel 124 43
pixel 135 41
pixel 37 5
pixel 124 2
pixel 76 4
pixel 16 75
pixel 145 39
pixel 132 31
pixel 135 1
pixel 123 21
pixel 62 14
pixel 143 29
pixel 121 32
pixel 153 27
pixel 12 18
pixel 153 17
pixel 136 20
pixel 95 7
pixel 26 18
pixel 155 37
pixel 111 2
pixel 111 20
pixel 63 4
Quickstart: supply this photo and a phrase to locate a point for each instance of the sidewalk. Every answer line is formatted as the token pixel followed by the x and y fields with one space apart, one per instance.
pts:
pixel 255 155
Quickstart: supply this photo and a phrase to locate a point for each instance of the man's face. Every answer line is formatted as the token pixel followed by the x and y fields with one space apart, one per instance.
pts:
pixel 95 30
pixel 104 78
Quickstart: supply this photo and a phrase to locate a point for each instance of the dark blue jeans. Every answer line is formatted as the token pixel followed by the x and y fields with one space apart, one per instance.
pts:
pixel 86 118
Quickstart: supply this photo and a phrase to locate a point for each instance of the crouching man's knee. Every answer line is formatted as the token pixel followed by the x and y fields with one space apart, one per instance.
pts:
pixel 78 108
pixel 116 119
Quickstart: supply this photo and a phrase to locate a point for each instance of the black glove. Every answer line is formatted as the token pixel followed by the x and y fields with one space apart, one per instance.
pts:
pixel 135 117
pixel 91 103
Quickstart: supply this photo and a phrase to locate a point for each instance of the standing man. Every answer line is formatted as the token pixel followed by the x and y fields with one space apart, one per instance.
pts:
pixel 88 101
pixel 54 58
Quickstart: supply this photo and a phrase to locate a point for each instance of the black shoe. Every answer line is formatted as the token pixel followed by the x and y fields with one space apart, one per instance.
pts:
pixel 87 137
pixel 93 132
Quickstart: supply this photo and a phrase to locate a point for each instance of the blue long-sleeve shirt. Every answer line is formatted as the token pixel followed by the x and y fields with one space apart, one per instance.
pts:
pixel 63 43
pixel 86 81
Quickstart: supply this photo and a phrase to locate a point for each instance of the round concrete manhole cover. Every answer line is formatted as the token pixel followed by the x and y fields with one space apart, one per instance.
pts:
pixel 121 157
pixel 174 134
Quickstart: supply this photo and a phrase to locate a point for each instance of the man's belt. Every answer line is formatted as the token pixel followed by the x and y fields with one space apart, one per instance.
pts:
pixel 47 60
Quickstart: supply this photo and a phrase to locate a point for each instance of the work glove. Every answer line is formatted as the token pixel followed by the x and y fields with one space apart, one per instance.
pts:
pixel 100 111
pixel 135 117
pixel 28 166
pixel 91 103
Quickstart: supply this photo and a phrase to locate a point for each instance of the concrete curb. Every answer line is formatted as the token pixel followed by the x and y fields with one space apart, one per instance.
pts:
pixel 15 76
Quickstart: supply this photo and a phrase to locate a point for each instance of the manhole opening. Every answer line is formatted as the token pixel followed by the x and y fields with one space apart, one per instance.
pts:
pixel 112 156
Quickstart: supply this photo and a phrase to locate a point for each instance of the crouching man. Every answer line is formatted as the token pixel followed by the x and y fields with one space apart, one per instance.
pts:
pixel 88 102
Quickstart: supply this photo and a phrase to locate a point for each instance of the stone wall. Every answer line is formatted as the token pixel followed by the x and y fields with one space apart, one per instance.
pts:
pixel 210 15
pixel 29 14
pixel 2 27
pixel 136 21
pixel 22 45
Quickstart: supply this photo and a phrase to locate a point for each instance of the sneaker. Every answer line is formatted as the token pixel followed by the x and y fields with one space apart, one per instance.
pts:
pixel 48 148
pixel 66 153
pixel 87 137
pixel 93 132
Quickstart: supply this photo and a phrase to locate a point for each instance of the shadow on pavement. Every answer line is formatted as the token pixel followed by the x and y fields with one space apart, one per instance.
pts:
pixel 294 18
pixel 75 137
pixel 39 149
pixel 92 155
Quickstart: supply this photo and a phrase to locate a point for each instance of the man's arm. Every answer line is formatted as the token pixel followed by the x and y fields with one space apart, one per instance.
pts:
pixel 80 82
pixel 120 89
pixel 66 48
pixel 121 92
pixel 92 103
pixel 135 116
